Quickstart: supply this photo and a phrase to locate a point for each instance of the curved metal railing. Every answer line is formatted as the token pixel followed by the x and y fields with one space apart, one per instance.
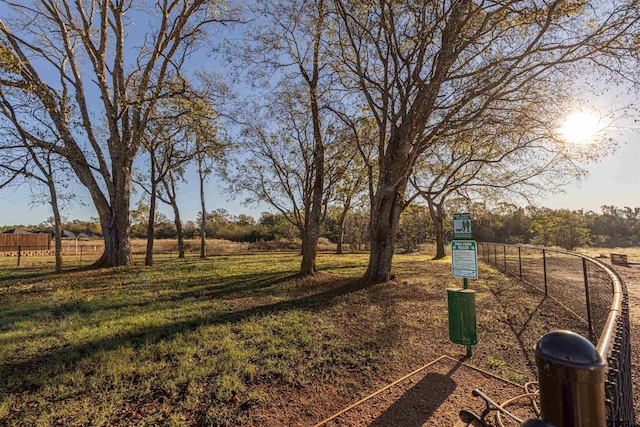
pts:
pixel 604 310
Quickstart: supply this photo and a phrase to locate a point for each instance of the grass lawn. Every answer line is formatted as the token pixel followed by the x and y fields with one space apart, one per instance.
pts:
pixel 235 339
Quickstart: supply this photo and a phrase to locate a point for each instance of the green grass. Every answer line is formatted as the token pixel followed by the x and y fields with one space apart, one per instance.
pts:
pixel 235 339
pixel 186 342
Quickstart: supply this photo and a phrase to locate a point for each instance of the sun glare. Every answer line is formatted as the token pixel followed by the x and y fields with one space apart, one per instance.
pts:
pixel 579 128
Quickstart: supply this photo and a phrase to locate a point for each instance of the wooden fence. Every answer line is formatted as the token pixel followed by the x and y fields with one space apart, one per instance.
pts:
pixel 27 242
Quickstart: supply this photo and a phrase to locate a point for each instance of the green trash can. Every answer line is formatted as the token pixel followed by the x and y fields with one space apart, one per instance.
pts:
pixel 462 316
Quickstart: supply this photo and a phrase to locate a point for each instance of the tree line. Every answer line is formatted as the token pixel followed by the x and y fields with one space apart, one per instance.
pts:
pixel 319 108
pixel 507 223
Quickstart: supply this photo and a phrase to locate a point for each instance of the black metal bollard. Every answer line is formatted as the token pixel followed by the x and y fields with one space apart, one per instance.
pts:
pixel 571 374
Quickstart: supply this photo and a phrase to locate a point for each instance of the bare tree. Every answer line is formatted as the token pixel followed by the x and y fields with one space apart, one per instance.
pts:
pixel 274 163
pixel 20 160
pixel 349 169
pixel 169 195
pixel 183 131
pixel 59 53
pixel 426 68
pixel 493 159
pixel 287 41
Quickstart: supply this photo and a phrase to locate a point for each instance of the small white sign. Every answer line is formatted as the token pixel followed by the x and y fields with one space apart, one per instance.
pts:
pixel 464 259
pixel 462 226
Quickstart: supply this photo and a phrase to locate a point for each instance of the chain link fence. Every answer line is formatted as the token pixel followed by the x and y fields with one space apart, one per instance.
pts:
pixel 83 253
pixel 594 293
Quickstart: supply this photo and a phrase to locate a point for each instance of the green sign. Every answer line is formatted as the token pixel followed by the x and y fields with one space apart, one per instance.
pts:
pixel 464 259
pixel 462 226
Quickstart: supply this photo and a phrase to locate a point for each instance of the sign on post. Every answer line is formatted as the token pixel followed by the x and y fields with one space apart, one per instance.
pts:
pixel 464 259
pixel 462 226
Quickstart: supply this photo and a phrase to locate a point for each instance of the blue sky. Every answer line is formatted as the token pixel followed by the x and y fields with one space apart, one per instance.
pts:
pixel 614 180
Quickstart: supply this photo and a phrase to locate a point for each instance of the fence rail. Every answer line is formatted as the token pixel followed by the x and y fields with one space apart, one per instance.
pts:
pixel 83 253
pixel 595 293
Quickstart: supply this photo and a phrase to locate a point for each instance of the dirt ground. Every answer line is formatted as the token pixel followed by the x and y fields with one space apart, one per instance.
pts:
pixel 435 395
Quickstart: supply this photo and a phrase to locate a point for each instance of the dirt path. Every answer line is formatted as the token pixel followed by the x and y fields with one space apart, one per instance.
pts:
pixel 434 396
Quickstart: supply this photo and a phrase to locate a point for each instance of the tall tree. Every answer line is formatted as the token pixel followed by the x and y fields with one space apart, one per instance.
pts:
pixel 288 41
pixel 426 68
pixel 492 158
pixel 183 130
pixel 204 170
pixel 97 86
pixel 169 195
pixel 349 169
pixel 275 162
pixel 21 160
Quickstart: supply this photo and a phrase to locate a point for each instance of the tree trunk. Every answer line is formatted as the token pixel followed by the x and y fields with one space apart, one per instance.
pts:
pixel 115 221
pixel 148 259
pixel 170 189
pixel 57 226
pixel 341 221
pixel 340 238
pixel 311 233
pixel 117 243
pixel 435 211
pixel 388 205
pixel 179 231
pixel 203 219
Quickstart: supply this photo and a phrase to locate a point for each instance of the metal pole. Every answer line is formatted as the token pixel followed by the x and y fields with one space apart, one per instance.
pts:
pixel 586 293
pixel 520 261
pixel 504 256
pixel 571 376
pixel 465 285
pixel 544 267
pixel 19 254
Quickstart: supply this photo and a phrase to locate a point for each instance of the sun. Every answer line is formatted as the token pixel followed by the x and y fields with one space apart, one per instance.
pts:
pixel 580 128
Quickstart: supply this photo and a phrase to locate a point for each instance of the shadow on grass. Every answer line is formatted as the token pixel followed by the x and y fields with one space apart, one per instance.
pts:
pixel 8 277
pixel 23 376
pixel 236 286
pixel 419 403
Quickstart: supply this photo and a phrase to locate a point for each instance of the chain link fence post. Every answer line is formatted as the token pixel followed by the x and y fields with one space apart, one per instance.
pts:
pixel 504 256
pixel 586 294
pixel 520 262
pixel 544 268
pixel 571 375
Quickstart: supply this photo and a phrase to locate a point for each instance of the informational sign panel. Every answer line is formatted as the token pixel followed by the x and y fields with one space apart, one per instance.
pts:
pixel 464 259
pixel 462 226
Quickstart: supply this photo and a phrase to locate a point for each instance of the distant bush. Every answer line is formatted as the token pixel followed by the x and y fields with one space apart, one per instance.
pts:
pixel 277 245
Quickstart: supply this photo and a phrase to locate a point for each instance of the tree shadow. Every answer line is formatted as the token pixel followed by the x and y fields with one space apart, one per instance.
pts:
pixel 25 275
pixel 525 349
pixel 239 287
pixel 25 375
pixel 420 402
